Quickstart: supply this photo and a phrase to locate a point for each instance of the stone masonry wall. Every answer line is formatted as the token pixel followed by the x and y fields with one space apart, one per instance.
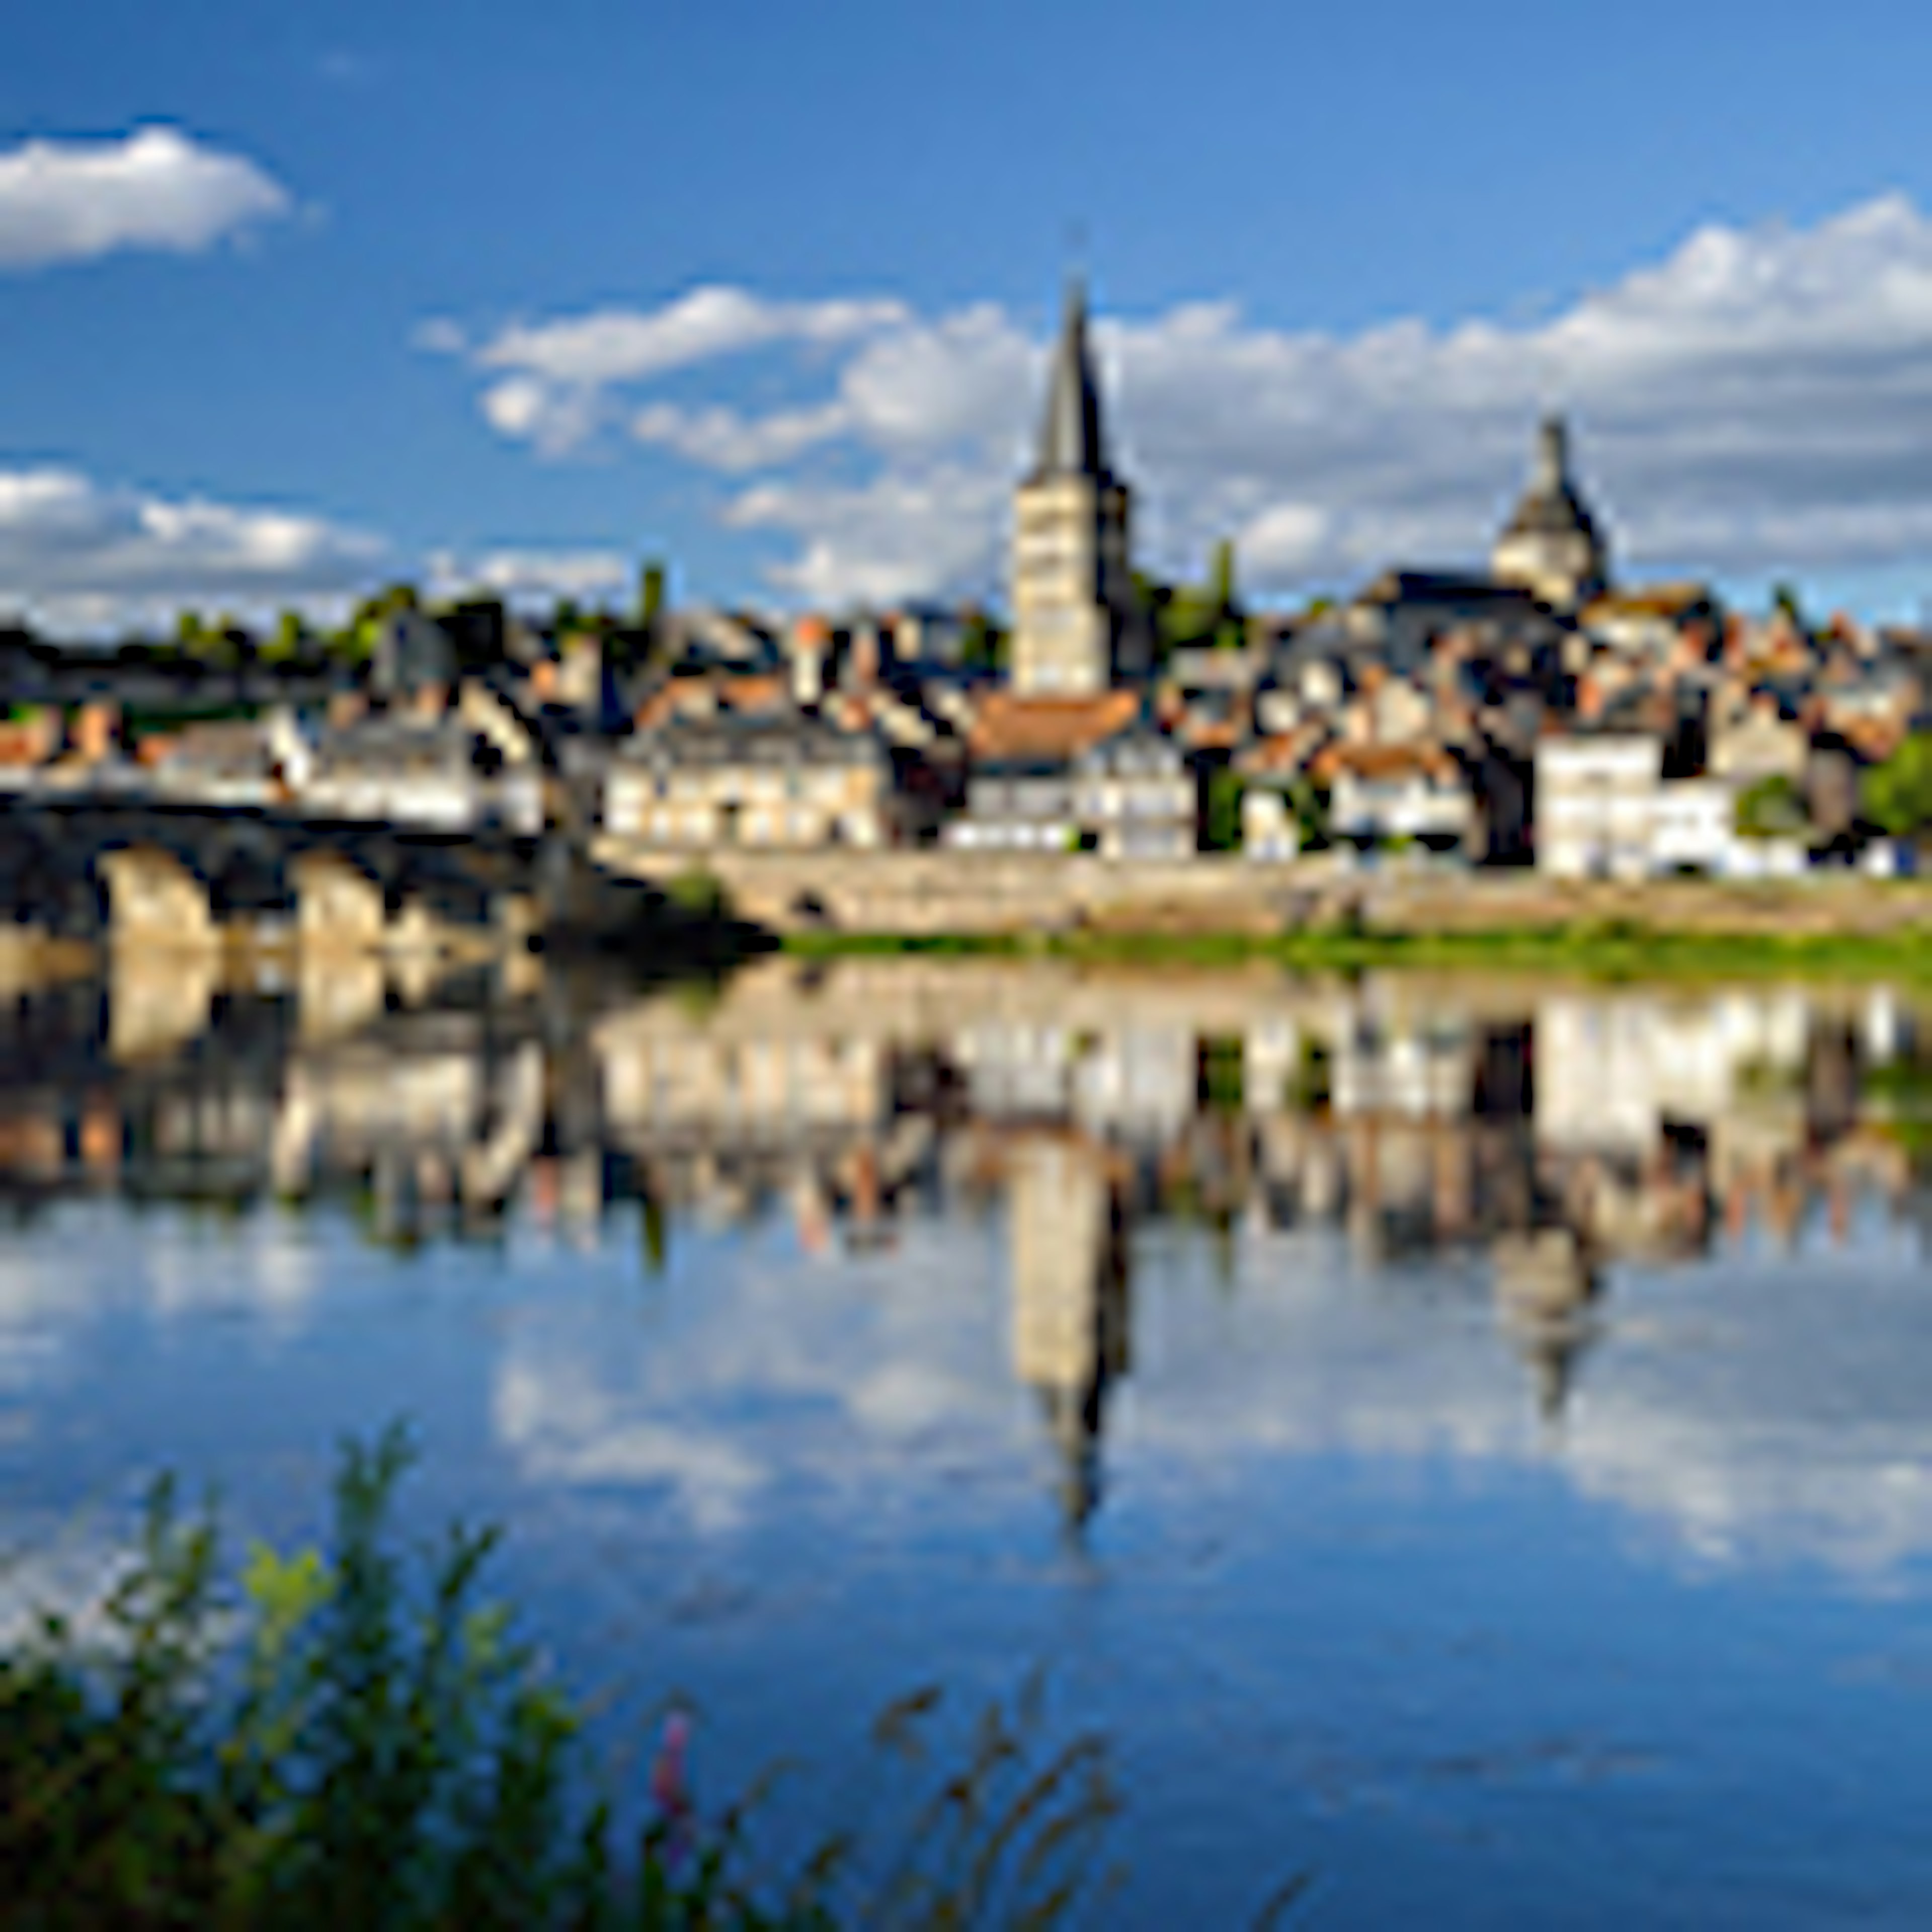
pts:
pixel 930 892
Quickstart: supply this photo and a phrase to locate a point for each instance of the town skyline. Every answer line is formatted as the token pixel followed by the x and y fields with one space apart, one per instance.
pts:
pixel 275 327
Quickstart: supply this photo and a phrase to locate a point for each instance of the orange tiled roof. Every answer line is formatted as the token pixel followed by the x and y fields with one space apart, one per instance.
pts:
pixel 1648 600
pixel 1208 734
pixel 1281 751
pixel 683 696
pixel 1009 726
pixel 1385 761
pixel 22 744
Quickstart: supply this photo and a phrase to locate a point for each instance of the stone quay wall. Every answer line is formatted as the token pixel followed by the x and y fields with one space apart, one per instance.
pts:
pixel 932 892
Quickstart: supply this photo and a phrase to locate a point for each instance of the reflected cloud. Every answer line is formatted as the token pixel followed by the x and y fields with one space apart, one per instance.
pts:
pixel 1076 1234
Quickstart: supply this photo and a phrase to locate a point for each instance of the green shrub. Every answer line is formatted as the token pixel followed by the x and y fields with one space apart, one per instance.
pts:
pixel 347 1739
pixel 698 893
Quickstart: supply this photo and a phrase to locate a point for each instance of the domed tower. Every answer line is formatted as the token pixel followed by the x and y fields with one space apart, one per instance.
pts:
pixel 1076 627
pixel 1551 546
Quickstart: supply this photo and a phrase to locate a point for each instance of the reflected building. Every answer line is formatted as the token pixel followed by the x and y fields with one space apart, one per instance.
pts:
pixel 1409 1118
pixel 1066 1227
pixel 1545 1288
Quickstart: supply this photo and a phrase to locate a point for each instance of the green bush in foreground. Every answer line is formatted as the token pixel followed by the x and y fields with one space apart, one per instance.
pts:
pixel 349 1740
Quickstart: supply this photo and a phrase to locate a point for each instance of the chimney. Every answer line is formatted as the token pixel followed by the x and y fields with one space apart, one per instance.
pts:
pixel 94 731
pixel 864 658
pixel 811 638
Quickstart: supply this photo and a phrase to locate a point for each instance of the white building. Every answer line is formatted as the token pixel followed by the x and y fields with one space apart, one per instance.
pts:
pixel 1596 804
pixel 782 780
pixel 1388 794
pixel 1604 810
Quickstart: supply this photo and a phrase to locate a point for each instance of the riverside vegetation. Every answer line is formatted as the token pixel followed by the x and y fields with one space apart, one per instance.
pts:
pixel 1596 949
pixel 345 1736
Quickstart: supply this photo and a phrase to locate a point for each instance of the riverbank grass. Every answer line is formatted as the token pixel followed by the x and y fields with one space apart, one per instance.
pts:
pixel 1593 950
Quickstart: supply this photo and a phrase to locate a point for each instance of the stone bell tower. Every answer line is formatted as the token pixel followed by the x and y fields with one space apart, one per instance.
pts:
pixel 1077 627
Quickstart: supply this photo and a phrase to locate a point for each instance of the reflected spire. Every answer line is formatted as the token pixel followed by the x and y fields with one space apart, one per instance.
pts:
pixel 1067 1227
pixel 1545 1288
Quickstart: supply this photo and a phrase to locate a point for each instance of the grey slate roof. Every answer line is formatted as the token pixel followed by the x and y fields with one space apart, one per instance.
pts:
pixel 761 738
pixel 389 746
pixel 1071 441
pixel 1551 507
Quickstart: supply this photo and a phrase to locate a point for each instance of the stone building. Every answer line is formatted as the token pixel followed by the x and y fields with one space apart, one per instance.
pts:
pixel 1383 796
pixel 1025 791
pixel 1596 803
pixel 1551 546
pixel 1134 796
pixel 1077 625
pixel 404 768
pixel 768 779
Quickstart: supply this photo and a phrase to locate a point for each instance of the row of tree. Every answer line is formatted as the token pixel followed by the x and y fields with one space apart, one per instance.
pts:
pixel 223 642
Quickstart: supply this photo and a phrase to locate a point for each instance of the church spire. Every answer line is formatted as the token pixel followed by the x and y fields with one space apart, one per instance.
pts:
pixel 1070 441
pixel 1553 456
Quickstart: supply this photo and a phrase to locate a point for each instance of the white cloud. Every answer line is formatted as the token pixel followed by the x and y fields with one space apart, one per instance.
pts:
pixel 721 439
pixel 77 554
pixel 1760 399
pixel 530 576
pixel 895 538
pixel 80 556
pixel 559 375
pixel 616 345
pixel 157 188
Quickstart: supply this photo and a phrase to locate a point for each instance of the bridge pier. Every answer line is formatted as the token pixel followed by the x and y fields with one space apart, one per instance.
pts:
pixel 155 902
pixel 338 904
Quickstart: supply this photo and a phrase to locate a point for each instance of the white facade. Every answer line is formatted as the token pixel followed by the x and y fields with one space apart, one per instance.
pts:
pixel 1408 804
pixel 1693 827
pixel 1596 805
pixel 1604 810
pixel 1270 830
pixel 803 805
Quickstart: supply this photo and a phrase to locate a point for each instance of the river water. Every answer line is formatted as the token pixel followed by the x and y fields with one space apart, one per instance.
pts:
pixel 1470 1442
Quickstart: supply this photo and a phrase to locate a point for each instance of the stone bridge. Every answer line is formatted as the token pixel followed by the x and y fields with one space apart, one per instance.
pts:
pixel 176 876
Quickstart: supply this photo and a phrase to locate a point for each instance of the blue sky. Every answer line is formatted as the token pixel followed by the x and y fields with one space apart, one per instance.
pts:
pixel 338 329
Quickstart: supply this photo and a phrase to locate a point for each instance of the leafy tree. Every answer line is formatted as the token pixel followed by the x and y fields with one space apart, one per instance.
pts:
pixel 1310 808
pixel 239 649
pixel 288 642
pixel 1222 831
pixel 357 640
pixel 1784 601
pixel 650 595
pixel 1773 808
pixel 1188 615
pixel 983 645
pixel 1898 793
pixel 1221 574
pixel 1195 613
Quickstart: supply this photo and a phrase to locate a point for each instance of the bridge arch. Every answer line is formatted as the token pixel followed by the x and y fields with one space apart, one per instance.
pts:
pixel 155 899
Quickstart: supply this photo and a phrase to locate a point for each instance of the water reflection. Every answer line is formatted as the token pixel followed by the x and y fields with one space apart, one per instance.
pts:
pixel 1546 1148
